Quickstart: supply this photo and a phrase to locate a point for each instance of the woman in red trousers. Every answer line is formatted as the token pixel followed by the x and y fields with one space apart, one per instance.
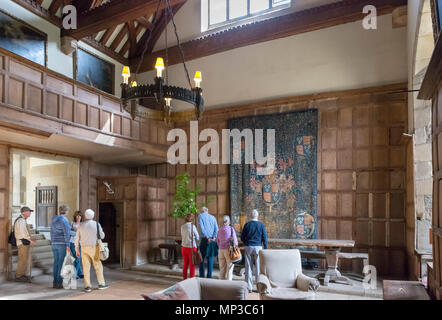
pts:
pixel 187 245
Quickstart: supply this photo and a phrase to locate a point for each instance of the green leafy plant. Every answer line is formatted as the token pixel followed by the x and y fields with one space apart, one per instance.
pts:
pixel 184 201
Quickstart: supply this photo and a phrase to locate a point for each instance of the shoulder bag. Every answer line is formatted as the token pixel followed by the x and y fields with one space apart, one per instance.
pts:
pixel 197 258
pixel 104 250
pixel 234 252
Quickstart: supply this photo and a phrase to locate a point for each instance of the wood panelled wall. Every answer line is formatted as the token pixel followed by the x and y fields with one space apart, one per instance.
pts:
pixel 37 91
pixel 144 217
pixel 4 211
pixel 361 169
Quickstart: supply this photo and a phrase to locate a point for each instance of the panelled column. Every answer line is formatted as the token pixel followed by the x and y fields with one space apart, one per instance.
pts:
pixel 4 205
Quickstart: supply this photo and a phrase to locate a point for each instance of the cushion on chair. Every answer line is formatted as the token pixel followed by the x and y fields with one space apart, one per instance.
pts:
pixel 306 283
pixel 212 289
pixel 192 288
pixel 281 267
pixel 288 294
pixel 263 284
pixel 175 292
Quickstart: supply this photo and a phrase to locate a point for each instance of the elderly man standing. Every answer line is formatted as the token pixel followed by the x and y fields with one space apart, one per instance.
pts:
pixel 60 236
pixel 254 237
pixel 24 241
pixel 87 237
pixel 209 229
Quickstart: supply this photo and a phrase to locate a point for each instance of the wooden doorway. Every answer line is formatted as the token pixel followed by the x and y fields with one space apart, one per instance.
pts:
pixel 46 199
pixel 110 218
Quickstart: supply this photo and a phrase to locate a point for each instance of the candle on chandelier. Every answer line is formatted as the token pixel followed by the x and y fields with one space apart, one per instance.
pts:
pixel 159 66
pixel 126 74
pixel 198 79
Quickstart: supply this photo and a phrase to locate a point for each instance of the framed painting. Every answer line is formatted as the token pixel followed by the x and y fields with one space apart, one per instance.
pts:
pixel 94 71
pixel 22 39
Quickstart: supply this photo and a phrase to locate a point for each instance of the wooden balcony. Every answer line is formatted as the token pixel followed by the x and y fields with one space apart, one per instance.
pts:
pixel 37 101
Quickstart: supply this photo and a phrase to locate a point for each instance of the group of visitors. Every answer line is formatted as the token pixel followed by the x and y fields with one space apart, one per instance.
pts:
pixel 78 238
pixel 217 242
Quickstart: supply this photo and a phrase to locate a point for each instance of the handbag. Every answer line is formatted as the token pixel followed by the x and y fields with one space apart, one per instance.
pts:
pixel 197 258
pixel 234 251
pixel 103 249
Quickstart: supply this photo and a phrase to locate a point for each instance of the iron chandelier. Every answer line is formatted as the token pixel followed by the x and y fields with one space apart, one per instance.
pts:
pixel 142 100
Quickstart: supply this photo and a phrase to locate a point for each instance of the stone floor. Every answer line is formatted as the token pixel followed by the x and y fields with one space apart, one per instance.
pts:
pixel 130 284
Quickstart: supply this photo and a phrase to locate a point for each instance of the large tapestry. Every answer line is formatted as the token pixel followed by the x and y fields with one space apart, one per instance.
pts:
pixel 287 199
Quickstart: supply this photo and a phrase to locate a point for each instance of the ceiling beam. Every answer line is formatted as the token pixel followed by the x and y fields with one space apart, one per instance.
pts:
pixel 38 10
pixel 116 42
pixel 145 23
pixel 111 13
pixel 110 53
pixel 83 5
pixel 106 36
pixel 283 26
pixel 156 31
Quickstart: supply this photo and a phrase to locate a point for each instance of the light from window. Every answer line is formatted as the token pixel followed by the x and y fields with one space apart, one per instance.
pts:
pixel 237 8
pixel 258 5
pixel 217 11
pixel 221 11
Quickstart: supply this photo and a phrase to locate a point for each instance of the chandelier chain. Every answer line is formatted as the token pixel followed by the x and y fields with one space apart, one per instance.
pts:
pixel 154 20
pixel 179 43
pixel 167 47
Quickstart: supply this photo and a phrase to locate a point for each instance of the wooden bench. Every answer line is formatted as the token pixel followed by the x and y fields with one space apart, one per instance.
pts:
pixel 342 255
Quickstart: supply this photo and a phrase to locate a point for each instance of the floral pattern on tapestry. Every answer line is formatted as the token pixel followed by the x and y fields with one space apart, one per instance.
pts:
pixel 286 199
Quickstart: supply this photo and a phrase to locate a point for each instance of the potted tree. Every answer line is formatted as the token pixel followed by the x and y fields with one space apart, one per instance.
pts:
pixel 185 199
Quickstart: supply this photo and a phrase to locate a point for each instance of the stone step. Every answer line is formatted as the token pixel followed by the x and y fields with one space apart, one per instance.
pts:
pixel 38 237
pixel 36 256
pixel 44 264
pixel 35 249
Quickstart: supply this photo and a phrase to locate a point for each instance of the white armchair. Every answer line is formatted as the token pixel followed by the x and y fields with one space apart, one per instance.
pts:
pixel 281 277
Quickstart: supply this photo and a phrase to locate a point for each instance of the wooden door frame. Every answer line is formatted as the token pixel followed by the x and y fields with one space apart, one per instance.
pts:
pixel 123 219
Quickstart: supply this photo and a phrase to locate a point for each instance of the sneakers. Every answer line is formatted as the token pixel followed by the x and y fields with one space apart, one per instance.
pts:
pixel 88 289
pixel 58 286
pixel 100 287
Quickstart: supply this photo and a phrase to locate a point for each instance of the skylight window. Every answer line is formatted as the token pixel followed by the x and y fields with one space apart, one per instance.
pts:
pixel 221 12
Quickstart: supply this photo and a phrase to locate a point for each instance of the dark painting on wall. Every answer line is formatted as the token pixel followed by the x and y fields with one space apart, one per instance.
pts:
pixel 93 71
pixel 287 199
pixel 20 38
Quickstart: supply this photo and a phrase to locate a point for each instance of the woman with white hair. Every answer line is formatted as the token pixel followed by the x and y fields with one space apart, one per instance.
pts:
pixel 87 237
pixel 225 234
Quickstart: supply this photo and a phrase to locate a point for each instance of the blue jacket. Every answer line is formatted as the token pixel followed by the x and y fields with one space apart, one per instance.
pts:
pixel 60 230
pixel 254 234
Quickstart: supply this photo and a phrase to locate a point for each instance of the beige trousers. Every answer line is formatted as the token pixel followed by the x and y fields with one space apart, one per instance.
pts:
pixel 24 261
pixel 225 266
pixel 88 255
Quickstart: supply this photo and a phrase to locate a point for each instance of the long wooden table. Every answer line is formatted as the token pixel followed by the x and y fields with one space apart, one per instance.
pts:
pixel 332 249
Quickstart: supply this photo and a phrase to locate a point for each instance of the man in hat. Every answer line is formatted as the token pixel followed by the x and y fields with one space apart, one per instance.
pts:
pixel 24 242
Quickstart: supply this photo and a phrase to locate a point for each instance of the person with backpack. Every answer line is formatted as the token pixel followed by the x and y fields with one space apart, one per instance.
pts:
pixel 87 236
pixel 60 240
pixel 23 241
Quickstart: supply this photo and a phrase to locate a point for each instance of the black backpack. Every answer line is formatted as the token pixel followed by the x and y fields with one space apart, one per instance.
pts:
pixel 11 238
